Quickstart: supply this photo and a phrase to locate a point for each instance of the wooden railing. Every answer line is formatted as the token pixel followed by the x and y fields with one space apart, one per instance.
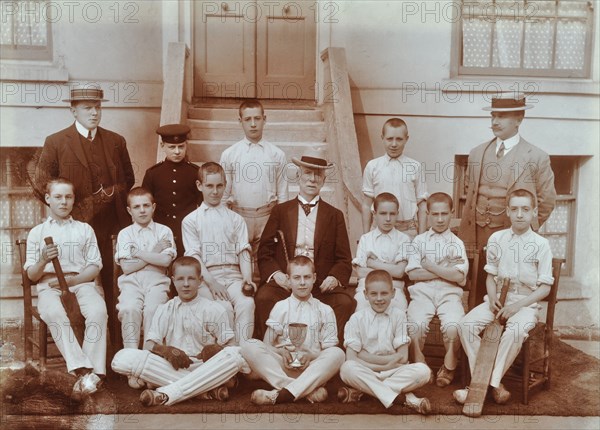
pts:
pixel 341 139
pixel 177 88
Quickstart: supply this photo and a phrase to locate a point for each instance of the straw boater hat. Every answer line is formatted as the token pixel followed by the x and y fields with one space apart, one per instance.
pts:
pixel 86 93
pixel 313 158
pixel 510 103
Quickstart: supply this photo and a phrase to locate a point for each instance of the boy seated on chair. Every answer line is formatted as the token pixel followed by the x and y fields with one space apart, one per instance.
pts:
pixel 376 341
pixel 525 257
pixel 189 353
pixel 438 263
pixel 144 251
pixel 383 248
pixel 316 359
pixel 76 248
pixel 218 238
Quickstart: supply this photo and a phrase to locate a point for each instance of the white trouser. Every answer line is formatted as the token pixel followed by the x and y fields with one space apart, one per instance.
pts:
pixel 240 309
pixel 182 384
pixel 141 293
pixel 269 366
pixel 516 331
pixel 399 300
pixel 435 298
pixel 385 385
pixel 92 354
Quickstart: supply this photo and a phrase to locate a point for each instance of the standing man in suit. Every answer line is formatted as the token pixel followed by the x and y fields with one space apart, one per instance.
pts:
pixel 497 167
pixel 311 227
pixel 96 161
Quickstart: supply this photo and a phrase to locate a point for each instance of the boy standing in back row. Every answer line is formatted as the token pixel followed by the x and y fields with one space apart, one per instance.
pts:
pixel 255 173
pixel 395 173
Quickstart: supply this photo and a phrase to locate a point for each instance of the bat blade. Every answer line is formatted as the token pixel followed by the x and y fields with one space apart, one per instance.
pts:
pixel 484 362
pixel 484 365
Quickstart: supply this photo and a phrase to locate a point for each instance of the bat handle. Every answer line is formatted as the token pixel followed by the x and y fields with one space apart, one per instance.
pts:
pixel 57 268
pixel 504 291
pixel 285 253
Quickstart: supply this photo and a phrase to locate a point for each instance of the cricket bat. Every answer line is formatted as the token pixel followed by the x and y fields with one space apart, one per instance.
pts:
pixel 68 299
pixel 484 363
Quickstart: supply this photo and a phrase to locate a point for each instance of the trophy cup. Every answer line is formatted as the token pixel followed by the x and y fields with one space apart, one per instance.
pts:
pixel 297 335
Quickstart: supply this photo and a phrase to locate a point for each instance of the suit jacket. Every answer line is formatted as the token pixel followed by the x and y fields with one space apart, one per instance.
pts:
pixel 532 172
pixel 63 156
pixel 332 248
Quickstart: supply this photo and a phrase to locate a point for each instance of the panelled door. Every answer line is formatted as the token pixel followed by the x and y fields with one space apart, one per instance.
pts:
pixel 261 49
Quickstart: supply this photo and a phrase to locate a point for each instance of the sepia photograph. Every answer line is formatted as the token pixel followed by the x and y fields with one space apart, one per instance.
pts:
pixel 345 214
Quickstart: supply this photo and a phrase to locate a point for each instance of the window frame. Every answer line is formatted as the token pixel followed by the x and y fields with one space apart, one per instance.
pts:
pixel 465 71
pixel 29 52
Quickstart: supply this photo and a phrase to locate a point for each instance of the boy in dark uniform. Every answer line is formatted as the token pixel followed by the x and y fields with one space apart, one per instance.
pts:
pixel 172 182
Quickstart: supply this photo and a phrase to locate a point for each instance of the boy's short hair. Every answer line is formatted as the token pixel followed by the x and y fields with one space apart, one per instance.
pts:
pixel 186 261
pixel 139 191
pixel 301 260
pixel 251 104
pixel 521 192
pixel 385 198
pixel 57 181
pixel 210 168
pixel 440 198
pixel 379 276
pixel 395 123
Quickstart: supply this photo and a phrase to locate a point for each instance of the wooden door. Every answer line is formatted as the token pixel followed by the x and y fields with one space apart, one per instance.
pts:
pixel 285 50
pixel 224 49
pixel 259 49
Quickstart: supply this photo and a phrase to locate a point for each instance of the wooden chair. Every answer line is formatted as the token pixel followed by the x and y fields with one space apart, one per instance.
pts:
pixel 535 366
pixel 43 338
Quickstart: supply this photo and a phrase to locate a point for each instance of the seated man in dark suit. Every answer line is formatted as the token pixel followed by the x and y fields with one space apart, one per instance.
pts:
pixel 309 226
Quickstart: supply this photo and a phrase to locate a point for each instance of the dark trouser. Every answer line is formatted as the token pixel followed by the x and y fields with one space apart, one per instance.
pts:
pixel 105 224
pixel 483 235
pixel 343 306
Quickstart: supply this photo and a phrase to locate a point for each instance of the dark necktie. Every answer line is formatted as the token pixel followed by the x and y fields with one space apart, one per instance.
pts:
pixel 89 136
pixel 307 206
pixel 500 152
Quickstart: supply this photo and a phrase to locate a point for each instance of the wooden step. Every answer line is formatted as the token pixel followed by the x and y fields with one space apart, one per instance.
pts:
pixel 277 132
pixel 205 150
pixel 273 115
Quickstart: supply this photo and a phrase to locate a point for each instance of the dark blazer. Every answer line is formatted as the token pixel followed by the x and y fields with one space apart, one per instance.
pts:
pixel 532 172
pixel 63 156
pixel 332 248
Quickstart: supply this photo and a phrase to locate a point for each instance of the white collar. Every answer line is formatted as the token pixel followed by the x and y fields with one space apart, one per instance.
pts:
pixel 509 143
pixel 204 207
pixel 303 200
pixel 84 131
pixel 445 233
pixel 139 228
pixel 261 142
pixel 52 220
pixel 400 158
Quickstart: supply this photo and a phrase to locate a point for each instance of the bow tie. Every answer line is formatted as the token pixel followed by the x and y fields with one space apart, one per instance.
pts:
pixel 307 207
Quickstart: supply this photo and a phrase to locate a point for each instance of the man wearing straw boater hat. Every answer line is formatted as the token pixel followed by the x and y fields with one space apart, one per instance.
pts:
pixel 96 161
pixel 306 225
pixel 497 167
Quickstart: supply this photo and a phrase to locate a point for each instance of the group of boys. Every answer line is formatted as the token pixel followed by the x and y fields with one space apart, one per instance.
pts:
pixel 193 348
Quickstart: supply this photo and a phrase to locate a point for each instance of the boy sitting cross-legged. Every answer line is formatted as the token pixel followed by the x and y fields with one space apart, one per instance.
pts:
pixel 318 355
pixel 525 257
pixel 182 331
pixel 376 342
